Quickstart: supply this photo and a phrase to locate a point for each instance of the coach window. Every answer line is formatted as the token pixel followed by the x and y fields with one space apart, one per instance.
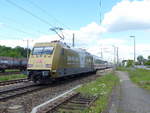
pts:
pixel 62 51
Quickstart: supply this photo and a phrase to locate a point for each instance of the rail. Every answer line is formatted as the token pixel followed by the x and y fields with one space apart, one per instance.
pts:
pixel 3 83
pixel 17 91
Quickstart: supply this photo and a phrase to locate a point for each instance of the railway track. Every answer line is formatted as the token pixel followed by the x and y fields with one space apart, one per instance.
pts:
pixel 53 90
pixel 74 103
pixel 17 91
pixel 13 81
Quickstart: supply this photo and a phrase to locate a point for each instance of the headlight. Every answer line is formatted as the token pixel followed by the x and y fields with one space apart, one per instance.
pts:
pixel 30 65
pixel 48 65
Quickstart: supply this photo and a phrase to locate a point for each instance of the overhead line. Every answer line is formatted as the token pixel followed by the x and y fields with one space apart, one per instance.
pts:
pixel 27 11
pixel 100 4
pixel 14 21
pixel 44 11
pixel 7 36
pixel 19 30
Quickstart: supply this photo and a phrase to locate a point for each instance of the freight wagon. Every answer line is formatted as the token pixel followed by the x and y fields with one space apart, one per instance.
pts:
pixel 12 63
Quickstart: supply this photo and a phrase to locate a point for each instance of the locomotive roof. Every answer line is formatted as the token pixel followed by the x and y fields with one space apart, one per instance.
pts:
pixel 52 42
pixel 64 45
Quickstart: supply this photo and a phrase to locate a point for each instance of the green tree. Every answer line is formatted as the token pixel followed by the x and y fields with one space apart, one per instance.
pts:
pixel 140 59
pixel 148 57
pixel 17 52
pixel 147 61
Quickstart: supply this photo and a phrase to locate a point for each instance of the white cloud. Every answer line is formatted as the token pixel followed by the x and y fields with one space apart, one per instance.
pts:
pixel 128 15
pixel 88 37
pixel 14 43
pixel 126 51
pixel 84 37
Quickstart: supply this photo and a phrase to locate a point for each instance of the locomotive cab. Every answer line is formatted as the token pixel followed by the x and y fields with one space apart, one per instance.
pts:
pixel 40 62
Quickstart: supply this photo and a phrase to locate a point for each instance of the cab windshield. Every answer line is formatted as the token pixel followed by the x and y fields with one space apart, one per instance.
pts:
pixel 42 50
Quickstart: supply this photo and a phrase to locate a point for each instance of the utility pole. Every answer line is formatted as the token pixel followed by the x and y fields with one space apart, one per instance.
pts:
pixel 100 5
pixel 114 53
pixel 73 40
pixel 102 53
pixel 134 48
pixel 117 55
pixel 27 41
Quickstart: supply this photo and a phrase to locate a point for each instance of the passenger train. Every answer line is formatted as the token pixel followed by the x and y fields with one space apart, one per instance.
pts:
pixel 55 59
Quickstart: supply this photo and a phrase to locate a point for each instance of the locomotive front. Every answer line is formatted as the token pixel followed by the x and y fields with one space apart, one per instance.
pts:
pixel 40 62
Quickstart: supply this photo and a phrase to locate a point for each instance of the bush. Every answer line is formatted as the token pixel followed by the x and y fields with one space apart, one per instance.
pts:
pixel 147 63
pixel 129 63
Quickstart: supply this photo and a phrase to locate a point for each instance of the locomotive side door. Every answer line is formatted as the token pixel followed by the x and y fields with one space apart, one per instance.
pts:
pixel 63 61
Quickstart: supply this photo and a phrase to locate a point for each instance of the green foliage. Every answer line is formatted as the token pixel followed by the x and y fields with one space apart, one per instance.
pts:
pixel 148 57
pixel 130 63
pixel 121 68
pixel 12 70
pixel 102 88
pixel 17 52
pixel 140 59
pixel 141 77
pixel 12 77
pixel 138 76
pixel 147 63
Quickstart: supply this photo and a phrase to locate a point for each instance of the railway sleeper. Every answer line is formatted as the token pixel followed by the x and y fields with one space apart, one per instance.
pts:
pixel 66 111
pixel 75 104
pixel 72 108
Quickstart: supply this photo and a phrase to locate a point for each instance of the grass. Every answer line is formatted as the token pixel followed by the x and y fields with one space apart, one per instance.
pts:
pixel 148 66
pixel 11 70
pixel 139 76
pixel 121 68
pixel 102 88
pixel 12 77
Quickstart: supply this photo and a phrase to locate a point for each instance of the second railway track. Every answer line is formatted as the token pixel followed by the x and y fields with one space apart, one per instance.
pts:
pixel 74 103
pixel 16 91
pixel 13 81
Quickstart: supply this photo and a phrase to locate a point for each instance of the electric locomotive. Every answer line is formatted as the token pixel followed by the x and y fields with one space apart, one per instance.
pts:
pixel 55 59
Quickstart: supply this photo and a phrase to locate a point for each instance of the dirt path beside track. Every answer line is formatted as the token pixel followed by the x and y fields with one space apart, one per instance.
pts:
pixel 129 98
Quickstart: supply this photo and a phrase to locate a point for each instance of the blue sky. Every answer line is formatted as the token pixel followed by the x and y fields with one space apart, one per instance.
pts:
pixel 81 16
pixel 72 13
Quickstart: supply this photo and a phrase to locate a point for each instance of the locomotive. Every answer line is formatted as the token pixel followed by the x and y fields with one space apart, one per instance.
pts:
pixel 55 59
pixel 12 63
